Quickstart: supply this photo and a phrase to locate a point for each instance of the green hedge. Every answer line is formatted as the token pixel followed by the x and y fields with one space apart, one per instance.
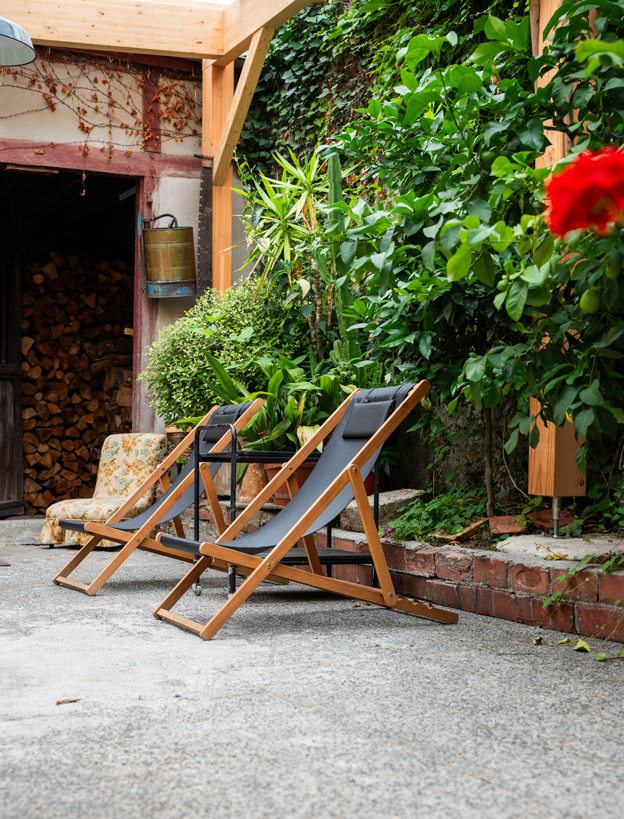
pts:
pixel 236 327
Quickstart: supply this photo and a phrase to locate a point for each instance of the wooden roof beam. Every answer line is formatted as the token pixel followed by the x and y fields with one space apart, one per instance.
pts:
pixel 194 30
pixel 243 18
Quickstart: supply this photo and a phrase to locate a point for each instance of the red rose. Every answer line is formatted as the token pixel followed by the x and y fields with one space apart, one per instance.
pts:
pixel 588 193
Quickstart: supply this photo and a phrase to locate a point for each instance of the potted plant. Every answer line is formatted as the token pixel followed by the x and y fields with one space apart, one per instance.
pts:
pixel 294 408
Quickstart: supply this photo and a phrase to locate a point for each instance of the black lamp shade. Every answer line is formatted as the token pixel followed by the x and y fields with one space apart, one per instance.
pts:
pixel 16 47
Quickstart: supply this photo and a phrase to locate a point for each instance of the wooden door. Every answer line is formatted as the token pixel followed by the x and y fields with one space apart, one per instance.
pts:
pixel 11 466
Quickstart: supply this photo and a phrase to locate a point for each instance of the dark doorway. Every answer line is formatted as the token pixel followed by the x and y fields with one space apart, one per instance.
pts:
pixel 67 319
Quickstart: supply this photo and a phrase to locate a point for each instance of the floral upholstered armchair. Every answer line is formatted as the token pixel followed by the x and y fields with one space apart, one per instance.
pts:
pixel 126 462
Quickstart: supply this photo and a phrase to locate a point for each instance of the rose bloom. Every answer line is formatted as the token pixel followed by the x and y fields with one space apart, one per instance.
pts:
pixel 588 193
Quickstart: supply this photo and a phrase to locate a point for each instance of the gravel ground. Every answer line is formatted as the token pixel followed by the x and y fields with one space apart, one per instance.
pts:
pixel 302 706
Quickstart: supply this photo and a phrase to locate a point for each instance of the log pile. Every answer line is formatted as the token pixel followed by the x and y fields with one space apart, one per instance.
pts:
pixel 77 371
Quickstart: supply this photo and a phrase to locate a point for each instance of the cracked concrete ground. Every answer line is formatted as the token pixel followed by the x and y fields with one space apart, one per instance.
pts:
pixel 302 706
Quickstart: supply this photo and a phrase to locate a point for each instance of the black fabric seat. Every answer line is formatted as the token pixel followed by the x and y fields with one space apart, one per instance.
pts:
pixel 227 414
pixel 365 414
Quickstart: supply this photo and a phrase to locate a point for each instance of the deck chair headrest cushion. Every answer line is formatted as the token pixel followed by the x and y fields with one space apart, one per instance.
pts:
pixel 227 414
pixel 370 408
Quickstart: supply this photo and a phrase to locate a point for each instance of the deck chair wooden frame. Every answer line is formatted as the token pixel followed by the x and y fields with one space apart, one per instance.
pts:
pixel 140 539
pixel 269 564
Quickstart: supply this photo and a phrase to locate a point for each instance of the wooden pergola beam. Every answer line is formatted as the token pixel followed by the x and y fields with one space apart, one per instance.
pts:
pixel 235 119
pixel 192 29
pixel 179 28
pixel 243 18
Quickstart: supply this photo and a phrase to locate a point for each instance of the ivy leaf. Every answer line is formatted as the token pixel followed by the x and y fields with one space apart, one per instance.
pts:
pixel 581 646
pixel 458 265
pixel 516 299
pixel 600 657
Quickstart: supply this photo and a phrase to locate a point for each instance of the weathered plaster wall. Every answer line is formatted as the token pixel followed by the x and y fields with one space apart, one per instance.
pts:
pixel 95 115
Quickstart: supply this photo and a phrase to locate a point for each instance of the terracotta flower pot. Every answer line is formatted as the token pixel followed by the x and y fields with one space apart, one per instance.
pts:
pixel 281 496
pixel 254 481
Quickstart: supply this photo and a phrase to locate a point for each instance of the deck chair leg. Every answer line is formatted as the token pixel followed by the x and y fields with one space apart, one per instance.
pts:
pixel 243 592
pixel 76 560
pixel 184 585
pixel 380 564
pixel 109 571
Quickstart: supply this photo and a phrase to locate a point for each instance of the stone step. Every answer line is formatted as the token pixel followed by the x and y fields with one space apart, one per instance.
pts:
pixel 20 531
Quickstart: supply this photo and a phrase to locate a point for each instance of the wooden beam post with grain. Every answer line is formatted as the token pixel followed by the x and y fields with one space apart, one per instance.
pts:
pixel 239 107
pixel 553 472
pixel 217 96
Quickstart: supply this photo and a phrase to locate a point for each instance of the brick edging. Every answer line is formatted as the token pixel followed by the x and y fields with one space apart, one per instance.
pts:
pixel 510 587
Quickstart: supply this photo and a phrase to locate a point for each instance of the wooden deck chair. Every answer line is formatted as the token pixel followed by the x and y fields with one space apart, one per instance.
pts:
pixel 177 497
pixel 360 426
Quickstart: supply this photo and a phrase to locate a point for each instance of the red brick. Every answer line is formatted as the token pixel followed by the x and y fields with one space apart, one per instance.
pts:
pixel 453 565
pixel 398 580
pixel 421 561
pixel 508 525
pixel 559 617
pixel 529 579
pixel 600 621
pixel 510 606
pixel 468 598
pixel 490 571
pixel 343 543
pixel 581 586
pixel 445 594
pixel 415 586
pixel 611 589
pixel 204 514
pixel 395 555
pixel 344 572
pixel 485 602
pixel 365 575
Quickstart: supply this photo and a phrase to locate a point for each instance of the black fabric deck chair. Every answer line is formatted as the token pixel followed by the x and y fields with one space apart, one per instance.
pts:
pixel 359 427
pixel 178 496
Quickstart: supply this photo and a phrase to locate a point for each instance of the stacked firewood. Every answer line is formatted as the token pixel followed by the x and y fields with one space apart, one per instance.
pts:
pixel 77 373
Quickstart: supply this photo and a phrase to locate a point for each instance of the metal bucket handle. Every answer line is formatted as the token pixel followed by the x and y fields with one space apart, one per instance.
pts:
pixel 174 221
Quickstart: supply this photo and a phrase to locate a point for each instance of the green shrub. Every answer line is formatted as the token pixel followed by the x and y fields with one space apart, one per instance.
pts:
pixel 236 327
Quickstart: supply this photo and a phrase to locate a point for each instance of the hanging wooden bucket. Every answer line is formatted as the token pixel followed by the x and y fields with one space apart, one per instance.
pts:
pixel 169 256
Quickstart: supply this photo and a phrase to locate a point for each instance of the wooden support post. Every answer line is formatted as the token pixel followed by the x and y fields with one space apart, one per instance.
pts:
pixel 552 469
pixel 217 96
pixel 240 104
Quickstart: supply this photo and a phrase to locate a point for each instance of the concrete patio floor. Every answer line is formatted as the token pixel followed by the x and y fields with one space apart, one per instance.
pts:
pixel 302 706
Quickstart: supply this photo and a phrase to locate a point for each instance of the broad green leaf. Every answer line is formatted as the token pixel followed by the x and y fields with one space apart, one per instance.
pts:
pixel 583 420
pixel 591 395
pixel 483 268
pixel 475 369
pixel 516 299
pixel 494 28
pixel 348 250
pixel 581 646
pixel 458 265
pixel 545 250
